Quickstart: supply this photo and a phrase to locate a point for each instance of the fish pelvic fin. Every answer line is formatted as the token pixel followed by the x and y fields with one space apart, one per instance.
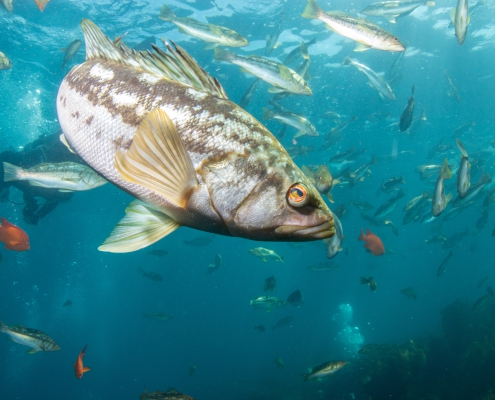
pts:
pixel 32 351
pixel 142 226
pixel 312 10
pixel 166 14
pixel 158 160
pixel 11 172
pixel 175 65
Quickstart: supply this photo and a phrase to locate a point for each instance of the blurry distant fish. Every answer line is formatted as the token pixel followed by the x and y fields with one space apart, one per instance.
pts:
pixel 367 34
pixel 284 321
pixel 157 253
pixel 375 81
pixel 70 51
pixel 368 281
pixel 7 4
pixel 64 176
pixel 464 128
pixel 321 267
pixel 386 208
pixel 427 171
pixel 271 40
pixel 33 338
pixel 79 367
pixel 482 282
pixel 199 241
pixel 326 369
pixel 334 244
pixel 217 35
pixel 454 239
pixel 246 97
pixel 407 115
pixel 269 284
pixel 13 237
pixel 152 276
pixel 360 174
pixel 439 199
pixel 368 348
pixel 295 298
pixel 392 226
pixel 279 362
pixel 158 316
pixel 451 85
pixel 192 370
pixel 441 238
pixel 473 192
pixel 170 394
pixel 364 206
pixel 409 293
pixel 331 115
pixel 67 303
pixel 259 328
pixel 281 78
pixel 265 254
pixel 4 62
pixel 391 10
pixel 301 123
pixel 390 185
pixel 463 176
pixel 214 266
pixel 480 302
pixel 267 303
pixel 372 243
pixel 414 202
pixel 460 18
pixel 322 179
pixel 443 266
pixel 145 44
pixel 342 156
pixel 299 51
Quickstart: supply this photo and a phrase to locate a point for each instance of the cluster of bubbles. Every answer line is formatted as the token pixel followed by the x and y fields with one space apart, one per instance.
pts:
pixel 349 335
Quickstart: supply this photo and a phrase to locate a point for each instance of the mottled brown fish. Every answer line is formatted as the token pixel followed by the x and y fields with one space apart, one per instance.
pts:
pixel 159 127
pixel 170 394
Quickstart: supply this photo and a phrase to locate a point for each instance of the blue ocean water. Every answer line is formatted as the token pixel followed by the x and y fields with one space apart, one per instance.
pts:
pixel 213 325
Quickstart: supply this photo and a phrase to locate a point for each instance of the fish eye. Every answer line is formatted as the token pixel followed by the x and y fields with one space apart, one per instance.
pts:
pixel 297 195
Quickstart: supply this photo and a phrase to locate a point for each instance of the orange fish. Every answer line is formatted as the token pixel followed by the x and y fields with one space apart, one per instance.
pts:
pixel 372 242
pixel 79 368
pixel 13 237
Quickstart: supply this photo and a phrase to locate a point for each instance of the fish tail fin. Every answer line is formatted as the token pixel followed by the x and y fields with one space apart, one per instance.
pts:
pixel 430 4
pixel 267 114
pixel 446 172
pixel 461 148
pixel 11 172
pixel 312 10
pixel 223 55
pixel 41 4
pixel 346 61
pixel 361 236
pixel 166 14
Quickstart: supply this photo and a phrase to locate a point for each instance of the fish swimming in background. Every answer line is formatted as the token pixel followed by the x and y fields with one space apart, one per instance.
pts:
pixel 407 115
pixel 409 293
pixel 300 122
pixel 13 237
pixel 279 362
pixel 192 370
pixel 157 253
pixel 375 80
pixel 284 321
pixel 170 394
pixel 64 176
pixel 326 369
pixel 152 276
pixel 460 18
pixel 463 176
pixel 212 267
pixel 34 339
pixel 5 63
pixel 391 10
pixel 215 34
pixel 159 127
pixel 266 254
pixel 267 303
pixel 259 328
pixel 300 51
pixel 452 87
pixel 79 368
pixel 199 241
pixel 67 303
pixel 372 243
pixel 334 244
pixel 271 40
pixel 368 281
pixel 70 51
pixel 295 298
pixel 443 266
pixel 440 201
pixel 248 94
pixel 270 284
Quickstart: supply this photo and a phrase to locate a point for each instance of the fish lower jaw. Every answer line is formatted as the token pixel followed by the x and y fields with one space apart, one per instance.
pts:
pixel 322 231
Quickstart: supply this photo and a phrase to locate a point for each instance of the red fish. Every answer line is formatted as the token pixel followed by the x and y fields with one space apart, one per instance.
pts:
pixel 13 237
pixel 372 242
pixel 79 368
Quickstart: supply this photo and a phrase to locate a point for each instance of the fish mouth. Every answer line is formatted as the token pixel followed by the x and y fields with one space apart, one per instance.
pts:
pixel 322 231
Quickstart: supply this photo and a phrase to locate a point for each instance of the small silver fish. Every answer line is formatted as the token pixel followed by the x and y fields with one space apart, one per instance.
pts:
pixel 463 176
pixel 375 80
pixel 460 18
pixel 271 40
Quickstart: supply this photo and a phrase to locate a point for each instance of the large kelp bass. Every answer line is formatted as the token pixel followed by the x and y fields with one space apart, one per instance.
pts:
pixel 159 127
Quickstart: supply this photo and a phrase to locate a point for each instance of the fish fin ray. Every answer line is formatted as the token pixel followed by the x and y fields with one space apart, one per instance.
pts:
pixel 175 65
pixel 41 4
pixel 86 369
pixel 158 160
pixel 11 172
pixel 142 226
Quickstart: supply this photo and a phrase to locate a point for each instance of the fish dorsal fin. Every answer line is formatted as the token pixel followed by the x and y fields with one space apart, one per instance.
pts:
pixel 158 160
pixel 7 224
pixel 175 65
pixel 142 226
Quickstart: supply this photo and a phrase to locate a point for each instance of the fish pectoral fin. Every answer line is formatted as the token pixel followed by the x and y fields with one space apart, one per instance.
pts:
pixel 158 160
pixel 452 15
pixel 142 226
pixel 32 351
pixel 86 369
pixel 275 89
pixel 65 191
pixel 215 29
pixel 361 47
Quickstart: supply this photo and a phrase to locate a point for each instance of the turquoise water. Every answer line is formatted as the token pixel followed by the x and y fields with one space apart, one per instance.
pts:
pixel 213 326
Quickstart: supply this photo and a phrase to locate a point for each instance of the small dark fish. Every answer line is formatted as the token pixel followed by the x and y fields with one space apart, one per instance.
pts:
pixel 466 128
pixel 407 114
pixel 157 253
pixel 390 185
pixel 279 362
pixel 70 51
pixel 409 293
pixel 480 302
pixel 443 266
pixel 213 267
pixel 480 223
pixel 269 284
pixel 259 328
pixel 199 241
pixel 192 370
pixel 368 281
pixel 246 97
pixel 299 51
pixel 152 276
pixel 282 322
pixel 67 303
pixel 295 298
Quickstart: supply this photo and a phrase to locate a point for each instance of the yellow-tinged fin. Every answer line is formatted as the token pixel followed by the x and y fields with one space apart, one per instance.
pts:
pixel 285 72
pixel 41 4
pixel 430 4
pixel 446 172
pixel 361 47
pixel 449 197
pixel 166 14
pixel 312 10
pixel 32 351
pixel 158 160
pixel 142 226
pixel 175 65
pixel 330 198
pixel 11 172
pixel 392 18
pixel 461 147
pixel 63 139
pixel 86 369
pixel 304 51
pixel 215 29
pixel 274 89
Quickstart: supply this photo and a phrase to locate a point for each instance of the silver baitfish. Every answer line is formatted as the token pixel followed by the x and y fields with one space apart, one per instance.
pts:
pixel 159 127
pixel 65 176
pixel 33 338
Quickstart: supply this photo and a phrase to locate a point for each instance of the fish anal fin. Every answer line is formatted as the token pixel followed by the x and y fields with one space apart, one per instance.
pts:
pixel 361 47
pixel 142 226
pixel 158 160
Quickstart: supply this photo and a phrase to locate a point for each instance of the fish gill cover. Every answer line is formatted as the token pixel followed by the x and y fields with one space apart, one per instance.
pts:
pixel 149 316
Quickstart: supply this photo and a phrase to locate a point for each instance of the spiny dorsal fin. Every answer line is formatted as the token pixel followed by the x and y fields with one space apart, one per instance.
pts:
pixel 176 65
